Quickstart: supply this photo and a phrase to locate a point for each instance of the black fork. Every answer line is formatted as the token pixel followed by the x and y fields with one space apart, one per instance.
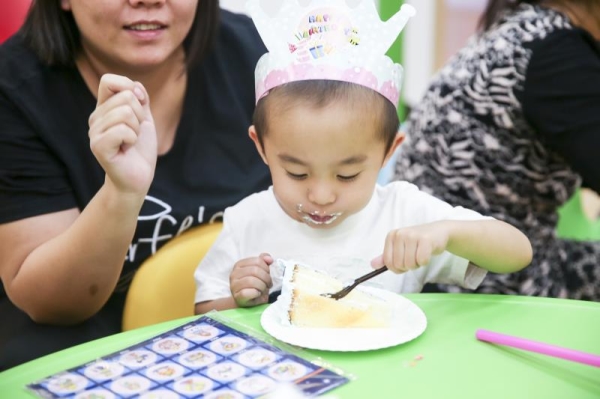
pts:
pixel 346 290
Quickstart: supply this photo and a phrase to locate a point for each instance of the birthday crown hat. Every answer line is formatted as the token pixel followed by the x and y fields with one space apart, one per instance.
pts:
pixel 327 39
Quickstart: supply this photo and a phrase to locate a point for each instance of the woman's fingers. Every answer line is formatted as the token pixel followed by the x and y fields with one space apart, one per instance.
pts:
pixel 112 84
pixel 121 116
pixel 116 122
pixel 123 106
pixel 120 100
pixel 110 142
pixel 122 133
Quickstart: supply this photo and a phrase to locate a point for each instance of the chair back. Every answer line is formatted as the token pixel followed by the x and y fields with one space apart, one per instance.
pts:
pixel 163 288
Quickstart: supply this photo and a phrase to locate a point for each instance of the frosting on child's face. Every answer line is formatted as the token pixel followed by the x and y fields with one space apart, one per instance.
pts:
pixel 324 162
pixel 317 218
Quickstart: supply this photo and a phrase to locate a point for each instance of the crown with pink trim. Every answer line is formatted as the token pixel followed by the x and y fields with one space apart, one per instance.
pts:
pixel 328 39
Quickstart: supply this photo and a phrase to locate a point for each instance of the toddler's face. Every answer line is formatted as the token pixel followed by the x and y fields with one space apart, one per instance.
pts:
pixel 324 162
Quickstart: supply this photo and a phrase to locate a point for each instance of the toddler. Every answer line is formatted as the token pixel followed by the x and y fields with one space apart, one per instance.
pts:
pixel 325 124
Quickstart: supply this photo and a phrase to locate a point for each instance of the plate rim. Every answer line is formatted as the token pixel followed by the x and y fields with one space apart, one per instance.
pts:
pixel 275 329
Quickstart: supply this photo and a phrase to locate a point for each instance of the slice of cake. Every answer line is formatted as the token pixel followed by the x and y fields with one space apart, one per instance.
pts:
pixel 304 306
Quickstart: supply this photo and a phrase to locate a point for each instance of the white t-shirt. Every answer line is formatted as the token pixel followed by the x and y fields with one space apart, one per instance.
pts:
pixel 257 224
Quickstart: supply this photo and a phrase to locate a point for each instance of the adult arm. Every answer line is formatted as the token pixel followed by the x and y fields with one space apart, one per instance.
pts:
pixel 561 96
pixel 61 267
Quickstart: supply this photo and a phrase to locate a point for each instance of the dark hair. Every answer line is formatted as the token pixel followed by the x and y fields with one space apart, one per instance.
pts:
pixel 318 94
pixel 496 8
pixel 53 35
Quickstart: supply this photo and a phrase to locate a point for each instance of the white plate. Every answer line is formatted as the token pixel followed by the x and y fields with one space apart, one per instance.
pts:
pixel 408 322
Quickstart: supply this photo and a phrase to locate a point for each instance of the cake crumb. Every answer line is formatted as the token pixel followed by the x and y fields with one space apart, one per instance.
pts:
pixel 414 362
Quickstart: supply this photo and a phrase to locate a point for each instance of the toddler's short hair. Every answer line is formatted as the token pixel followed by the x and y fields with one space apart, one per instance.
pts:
pixel 318 94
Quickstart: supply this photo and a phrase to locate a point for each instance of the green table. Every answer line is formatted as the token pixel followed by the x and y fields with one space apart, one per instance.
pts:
pixel 453 363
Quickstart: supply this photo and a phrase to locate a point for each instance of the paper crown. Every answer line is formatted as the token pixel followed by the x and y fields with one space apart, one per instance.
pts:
pixel 327 39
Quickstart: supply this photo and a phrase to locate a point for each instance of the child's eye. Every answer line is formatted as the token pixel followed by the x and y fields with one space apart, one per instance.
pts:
pixel 348 178
pixel 297 176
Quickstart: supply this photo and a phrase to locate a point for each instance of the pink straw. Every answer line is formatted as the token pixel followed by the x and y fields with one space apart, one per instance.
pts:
pixel 538 347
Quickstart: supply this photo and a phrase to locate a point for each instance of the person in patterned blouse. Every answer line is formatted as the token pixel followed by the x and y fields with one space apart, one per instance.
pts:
pixel 510 127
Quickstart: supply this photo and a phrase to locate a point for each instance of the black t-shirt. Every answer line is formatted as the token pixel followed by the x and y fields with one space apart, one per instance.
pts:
pixel 560 98
pixel 46 164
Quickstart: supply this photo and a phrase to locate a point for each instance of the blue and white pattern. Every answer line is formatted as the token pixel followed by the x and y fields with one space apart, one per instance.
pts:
pixel 239 365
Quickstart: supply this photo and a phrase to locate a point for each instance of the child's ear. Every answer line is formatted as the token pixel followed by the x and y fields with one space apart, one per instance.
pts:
pixel 400 136
pixel 254 136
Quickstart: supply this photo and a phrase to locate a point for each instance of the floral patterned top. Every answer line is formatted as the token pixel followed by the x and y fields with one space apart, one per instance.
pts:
pixel 510 127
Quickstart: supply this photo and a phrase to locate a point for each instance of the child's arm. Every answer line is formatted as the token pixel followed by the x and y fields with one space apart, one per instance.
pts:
pixel 216 304
pixel 249 282
pixel 490 244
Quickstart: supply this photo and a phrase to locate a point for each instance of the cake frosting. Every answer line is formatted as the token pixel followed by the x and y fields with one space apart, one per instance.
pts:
pixel 303 305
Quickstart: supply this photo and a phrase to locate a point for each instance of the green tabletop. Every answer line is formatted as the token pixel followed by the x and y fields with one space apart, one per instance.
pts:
pixel 453 364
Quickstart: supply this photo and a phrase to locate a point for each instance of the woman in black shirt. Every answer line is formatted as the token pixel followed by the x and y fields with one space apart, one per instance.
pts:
pixel 169 88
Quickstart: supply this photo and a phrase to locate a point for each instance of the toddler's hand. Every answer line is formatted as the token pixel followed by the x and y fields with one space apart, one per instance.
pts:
pixel 250 281
pixel 412 247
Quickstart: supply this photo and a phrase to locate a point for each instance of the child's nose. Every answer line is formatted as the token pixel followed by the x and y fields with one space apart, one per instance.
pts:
pixel 321 194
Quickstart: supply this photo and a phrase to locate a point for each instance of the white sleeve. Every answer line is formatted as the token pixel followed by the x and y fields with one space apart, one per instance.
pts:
pixel 212 274
pixel 411 206
pixel 448 268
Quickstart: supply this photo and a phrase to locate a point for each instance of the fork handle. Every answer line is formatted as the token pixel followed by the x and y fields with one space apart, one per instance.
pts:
pixel 370 275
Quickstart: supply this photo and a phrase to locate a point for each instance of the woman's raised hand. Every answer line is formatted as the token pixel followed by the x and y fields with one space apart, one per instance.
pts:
pixel 122 134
